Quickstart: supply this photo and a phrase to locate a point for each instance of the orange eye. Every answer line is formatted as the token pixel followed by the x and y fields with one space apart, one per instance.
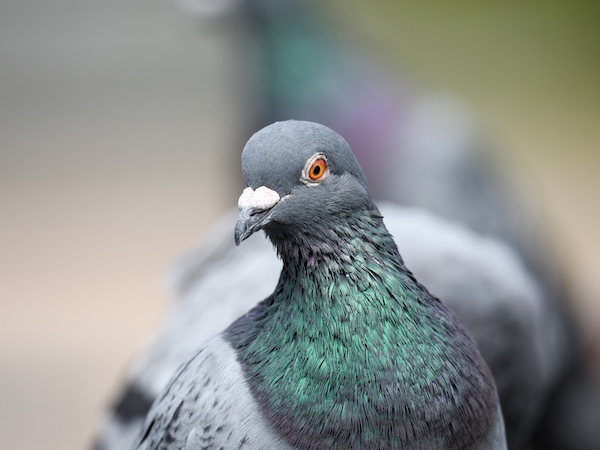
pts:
pixel 317 169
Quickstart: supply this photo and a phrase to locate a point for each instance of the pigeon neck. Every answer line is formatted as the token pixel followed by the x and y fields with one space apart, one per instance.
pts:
pixel 338 248
pixel 351 348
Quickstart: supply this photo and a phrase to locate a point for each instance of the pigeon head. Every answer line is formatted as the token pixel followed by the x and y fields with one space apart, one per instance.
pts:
pixel 299 176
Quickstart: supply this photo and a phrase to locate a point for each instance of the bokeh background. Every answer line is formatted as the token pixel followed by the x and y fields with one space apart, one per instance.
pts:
pixel 120 126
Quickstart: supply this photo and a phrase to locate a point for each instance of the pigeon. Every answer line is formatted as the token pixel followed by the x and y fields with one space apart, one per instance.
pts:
pixel 349 351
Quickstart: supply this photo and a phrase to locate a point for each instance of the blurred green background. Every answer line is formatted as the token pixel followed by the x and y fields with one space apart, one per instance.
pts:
pixel 117 123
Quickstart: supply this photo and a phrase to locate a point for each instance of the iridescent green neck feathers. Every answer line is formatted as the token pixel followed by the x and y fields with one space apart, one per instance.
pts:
pixel 351 348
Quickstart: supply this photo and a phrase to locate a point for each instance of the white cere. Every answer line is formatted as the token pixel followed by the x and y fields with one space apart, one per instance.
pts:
pixel 260 200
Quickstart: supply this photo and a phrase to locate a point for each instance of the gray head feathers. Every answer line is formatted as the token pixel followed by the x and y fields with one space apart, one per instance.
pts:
pixel 275 156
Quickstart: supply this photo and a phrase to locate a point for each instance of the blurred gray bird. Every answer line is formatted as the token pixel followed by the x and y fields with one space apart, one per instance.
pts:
pixel 349 351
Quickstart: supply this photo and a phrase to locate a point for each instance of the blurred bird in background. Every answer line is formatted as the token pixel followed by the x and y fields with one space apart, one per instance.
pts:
pixel 418 148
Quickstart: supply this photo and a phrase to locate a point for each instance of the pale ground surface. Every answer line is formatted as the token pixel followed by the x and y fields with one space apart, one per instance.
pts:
pixel 117 121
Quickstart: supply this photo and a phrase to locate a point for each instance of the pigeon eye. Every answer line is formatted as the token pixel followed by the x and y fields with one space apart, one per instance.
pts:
pixel 317 169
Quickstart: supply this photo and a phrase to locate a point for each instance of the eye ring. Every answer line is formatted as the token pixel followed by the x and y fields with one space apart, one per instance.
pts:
pixel 315 170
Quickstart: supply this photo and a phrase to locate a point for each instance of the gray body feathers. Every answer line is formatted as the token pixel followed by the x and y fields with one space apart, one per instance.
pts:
pixel 208 405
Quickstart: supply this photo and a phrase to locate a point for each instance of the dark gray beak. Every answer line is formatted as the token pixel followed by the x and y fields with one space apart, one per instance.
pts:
pixel 255 211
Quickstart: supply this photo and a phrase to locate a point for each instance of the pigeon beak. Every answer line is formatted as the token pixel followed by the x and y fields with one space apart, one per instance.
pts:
pixel 254 206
